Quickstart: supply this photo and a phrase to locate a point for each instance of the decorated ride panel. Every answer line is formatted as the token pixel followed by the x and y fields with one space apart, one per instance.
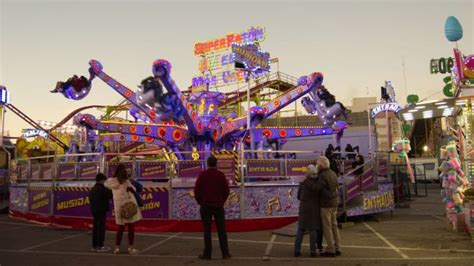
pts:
pixel 74 202
pixel 264 168
pixel 88 170
pixel 189 169
pixel 47 171
pixel 39 199
pixel 378 201
pixel 112 165
pixel 185 206
pixel 18 198
pixel 228 163
pixel 67 171
pixel 151 170
pixel 297 168
pixel 263 201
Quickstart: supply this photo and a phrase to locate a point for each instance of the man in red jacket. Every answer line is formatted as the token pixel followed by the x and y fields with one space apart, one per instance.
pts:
pixel 211 191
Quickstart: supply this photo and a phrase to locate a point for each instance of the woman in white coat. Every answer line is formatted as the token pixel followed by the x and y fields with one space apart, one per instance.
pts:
pixel 122 191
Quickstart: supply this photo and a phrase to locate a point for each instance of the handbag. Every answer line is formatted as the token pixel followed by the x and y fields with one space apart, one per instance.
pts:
pixel 129 209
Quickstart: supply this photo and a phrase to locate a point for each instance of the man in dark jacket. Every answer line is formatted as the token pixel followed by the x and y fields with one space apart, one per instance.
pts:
pixel 329 200
pixel 211 191
pixel 309 216
pixel 99 198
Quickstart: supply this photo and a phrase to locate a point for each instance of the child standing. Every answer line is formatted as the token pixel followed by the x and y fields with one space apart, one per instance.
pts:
pixel 99 198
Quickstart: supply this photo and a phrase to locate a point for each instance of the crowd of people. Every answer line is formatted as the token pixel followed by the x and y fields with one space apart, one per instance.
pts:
pixel 318 195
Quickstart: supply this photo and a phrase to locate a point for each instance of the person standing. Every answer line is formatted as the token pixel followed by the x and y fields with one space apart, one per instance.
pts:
pixel 309 216
pixel 211 191
pixel 99 198
pixel 329 201
pixel 122 191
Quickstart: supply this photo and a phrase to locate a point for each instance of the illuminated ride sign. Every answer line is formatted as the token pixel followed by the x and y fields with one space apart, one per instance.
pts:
pixel 30 133
pixel 385 107
pixel 253 34
pixel 251 58
pixel 216 60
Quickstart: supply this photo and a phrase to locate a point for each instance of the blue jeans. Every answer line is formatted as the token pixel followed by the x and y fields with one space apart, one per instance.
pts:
pixel 312 240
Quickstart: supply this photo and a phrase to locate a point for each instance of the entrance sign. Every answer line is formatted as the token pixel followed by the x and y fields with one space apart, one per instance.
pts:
pixel 390 107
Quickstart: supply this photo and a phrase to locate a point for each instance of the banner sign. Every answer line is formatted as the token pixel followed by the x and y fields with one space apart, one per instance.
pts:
pixel 185 206
pixel 150 170
pixel 298 167
pixel 189 169
pixel 441 65
pixel 39 200
pixel 375 201
pixel 88 170
pixel 18 198
pixel 67 171
pixel 227 164
pixel 72 202
pixel 251 57
pixel 263 168
pixel 271 201
pixel 47 171
pixel 112 165
pixel 155 203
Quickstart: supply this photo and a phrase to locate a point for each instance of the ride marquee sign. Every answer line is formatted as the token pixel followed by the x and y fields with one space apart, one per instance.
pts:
pixel 216 59
pixel 251 57
pixel 385 107
pixel 30 133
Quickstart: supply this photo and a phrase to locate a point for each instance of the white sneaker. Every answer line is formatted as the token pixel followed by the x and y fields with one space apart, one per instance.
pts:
pixel 103 249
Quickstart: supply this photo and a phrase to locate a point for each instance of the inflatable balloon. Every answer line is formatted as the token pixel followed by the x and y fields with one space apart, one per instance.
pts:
pixel 453 29
pixel 469 66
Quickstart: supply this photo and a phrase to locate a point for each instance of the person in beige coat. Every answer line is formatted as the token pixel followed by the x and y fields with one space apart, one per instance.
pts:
pixel 122 191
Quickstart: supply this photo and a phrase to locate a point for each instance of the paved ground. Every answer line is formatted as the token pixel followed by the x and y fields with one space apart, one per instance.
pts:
pixel 413 236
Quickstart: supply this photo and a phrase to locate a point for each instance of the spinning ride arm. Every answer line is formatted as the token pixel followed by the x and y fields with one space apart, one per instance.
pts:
pixel 313 82
pixel 171 135
pixel 162 70
pixel 126 92
pixel 292 132
pixel 121 137
pixel 232 126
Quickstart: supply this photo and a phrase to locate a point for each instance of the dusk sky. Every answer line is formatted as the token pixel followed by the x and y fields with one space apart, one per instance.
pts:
pixel 355 44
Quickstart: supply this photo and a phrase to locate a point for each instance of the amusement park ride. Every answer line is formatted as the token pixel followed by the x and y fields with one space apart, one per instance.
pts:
pixel 174 121
pixel 185 128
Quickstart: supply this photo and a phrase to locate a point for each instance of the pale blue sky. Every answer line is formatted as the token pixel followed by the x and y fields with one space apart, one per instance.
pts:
pixel 356 44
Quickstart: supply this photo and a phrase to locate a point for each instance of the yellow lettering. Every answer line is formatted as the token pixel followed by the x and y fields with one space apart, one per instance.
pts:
pixel 40 204
pixel 72 203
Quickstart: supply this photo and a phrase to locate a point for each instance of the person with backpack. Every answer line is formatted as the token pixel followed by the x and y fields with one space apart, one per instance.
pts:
pixel 99 198
pixel 127 212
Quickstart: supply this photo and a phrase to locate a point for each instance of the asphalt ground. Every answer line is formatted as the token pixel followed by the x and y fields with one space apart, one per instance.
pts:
pixel 411 236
